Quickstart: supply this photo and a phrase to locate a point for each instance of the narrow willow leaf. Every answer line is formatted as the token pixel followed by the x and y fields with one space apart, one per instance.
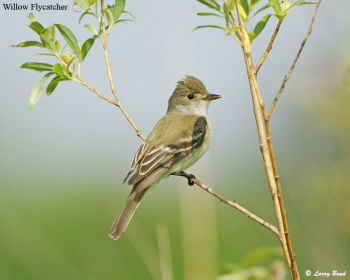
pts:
pixel 37 66
pixel 122 21
pixel 47 37
pixel 91 2
pixel 91 29
pixel 130 14
pixel 87 13
pixel 36 27
pixel 297 3
pixel 261 9
pixel 208 26
pixel 87 46
pixel 29 44
pixel 211 4
pixel 45 54
pixel 32 18
pixel 242 12
pixel 118 9
pixel 251 36
pixel 209 14
pixel 53 84
pixel 82 4
pixel 70 39
pixel 59 70
pixel 58 46
pixel 245 6
pixel 227 15
pixel 253 4
pixel 37 91
pixel 232 5
pixel 261 25
pixel 275 4
pixel 108 16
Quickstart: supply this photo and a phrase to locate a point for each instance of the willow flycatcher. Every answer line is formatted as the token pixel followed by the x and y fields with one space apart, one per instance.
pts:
pixel 177 141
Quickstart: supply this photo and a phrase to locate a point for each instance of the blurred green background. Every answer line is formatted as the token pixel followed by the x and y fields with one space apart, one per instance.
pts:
pixel 62 164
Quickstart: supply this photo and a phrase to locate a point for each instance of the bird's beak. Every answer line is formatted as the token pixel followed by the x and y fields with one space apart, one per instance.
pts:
pixel 211 97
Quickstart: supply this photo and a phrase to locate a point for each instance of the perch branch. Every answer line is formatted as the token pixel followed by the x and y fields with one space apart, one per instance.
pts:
pixel 287 76
pixel 235 205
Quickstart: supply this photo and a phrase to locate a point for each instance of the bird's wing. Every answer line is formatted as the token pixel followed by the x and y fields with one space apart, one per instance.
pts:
pixel 137 158
pixel 167 149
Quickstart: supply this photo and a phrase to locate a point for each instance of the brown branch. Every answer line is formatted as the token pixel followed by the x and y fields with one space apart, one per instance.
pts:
pixel 81 81
pixel 280 198
pixel 268 49
pixel 287 76
pixel 109 73
pixel 259 113
pixel 235 205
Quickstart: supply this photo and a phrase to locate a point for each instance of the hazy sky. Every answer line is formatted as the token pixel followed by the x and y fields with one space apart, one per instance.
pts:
pixel 73 132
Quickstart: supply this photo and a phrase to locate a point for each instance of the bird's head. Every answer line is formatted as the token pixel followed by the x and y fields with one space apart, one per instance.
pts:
pixel 190 97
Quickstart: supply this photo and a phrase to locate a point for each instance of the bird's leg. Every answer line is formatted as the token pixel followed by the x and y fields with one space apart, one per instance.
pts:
pixel 189 177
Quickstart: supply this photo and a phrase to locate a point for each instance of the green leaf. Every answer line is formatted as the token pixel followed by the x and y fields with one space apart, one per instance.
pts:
pixel 87 46
pixel 122 21
pixel 232 5
pixel 227 15
pixel 209 14
pixel 59 69
pixel 45 54
pixel 47 37
pixel 242 12
pixel 29 44
pixel 37 91
pixel 108 16
pixel 211 4
pixel 245 6
pixel 275 4
pixel 91 29
pixel 37 66
pixel 118 9
pixel 208 26
pixel 130 14
pixel 32 18
pixel 253 4
pixel 261 25
pixel 36 27
pixel 87 13
pixel 82 4
pixel 54 83
pixel 251 36
pixel 261 9
pixel 70 39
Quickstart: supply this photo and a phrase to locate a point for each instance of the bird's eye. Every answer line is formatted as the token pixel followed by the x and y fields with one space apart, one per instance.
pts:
pixel 190 96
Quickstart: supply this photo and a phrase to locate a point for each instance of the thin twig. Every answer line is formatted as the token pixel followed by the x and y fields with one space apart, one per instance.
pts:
pixel 109 73
pixel 235 205
pixel 81 81
pixel 287 76
pixel 269 47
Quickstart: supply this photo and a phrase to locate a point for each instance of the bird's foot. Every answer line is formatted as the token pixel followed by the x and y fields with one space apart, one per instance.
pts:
pixel 189 177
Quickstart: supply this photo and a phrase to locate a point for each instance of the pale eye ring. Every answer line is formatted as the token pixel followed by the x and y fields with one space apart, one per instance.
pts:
pixel 190 96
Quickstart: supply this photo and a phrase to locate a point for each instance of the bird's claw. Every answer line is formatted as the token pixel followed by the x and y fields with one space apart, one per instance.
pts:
pixel 190 178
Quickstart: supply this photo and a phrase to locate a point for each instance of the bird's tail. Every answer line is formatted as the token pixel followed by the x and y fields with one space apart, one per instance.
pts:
pixel 121 222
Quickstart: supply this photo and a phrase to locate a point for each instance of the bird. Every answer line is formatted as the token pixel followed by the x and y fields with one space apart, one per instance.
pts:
pixel 176 142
